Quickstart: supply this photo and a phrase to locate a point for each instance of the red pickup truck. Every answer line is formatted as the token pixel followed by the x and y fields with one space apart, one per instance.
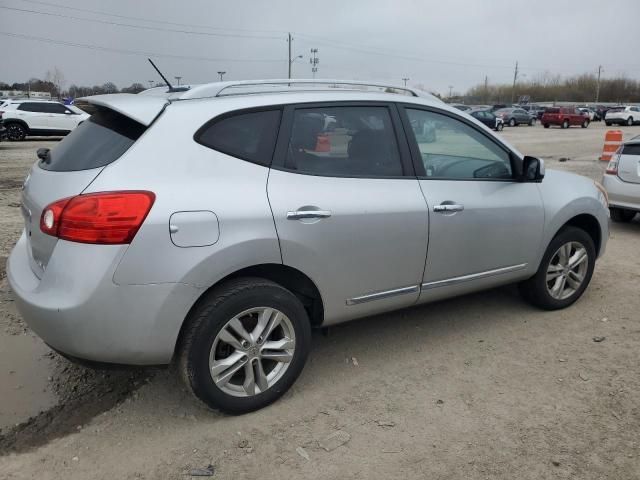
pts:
pixel 565 117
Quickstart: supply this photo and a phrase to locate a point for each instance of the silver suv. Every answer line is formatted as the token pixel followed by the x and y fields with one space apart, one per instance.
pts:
pixel 217 226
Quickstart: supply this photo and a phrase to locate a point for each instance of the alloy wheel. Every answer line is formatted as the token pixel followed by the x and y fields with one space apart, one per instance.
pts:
pixel 15 132
pixel 567 270
pixel 252 352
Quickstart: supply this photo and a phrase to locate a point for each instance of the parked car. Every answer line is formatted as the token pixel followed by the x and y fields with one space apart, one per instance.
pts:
pixel 39 117
pixel 514 117
pixel 629 115
pixel 564 117
pixel 488 118
pixel 459 106
pixel 500 106
pixel 590 114
pixel 139 249
pixel 3 130
pixel 622 181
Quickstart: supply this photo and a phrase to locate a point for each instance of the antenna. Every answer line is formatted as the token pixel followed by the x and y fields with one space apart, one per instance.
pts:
pixel 160 73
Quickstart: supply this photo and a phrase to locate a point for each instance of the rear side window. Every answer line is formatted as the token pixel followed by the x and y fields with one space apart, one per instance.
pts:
pixel 96 142
pixel 249 136
pixel 631 149
pixel 344 141
pixel 552 110
pixel 32 107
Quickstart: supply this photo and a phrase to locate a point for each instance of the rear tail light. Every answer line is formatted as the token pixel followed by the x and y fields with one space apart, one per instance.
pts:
pixel 103 218
pixel 612 166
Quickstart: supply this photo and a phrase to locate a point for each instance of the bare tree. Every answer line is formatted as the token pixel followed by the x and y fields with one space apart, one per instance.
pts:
pixel 56 77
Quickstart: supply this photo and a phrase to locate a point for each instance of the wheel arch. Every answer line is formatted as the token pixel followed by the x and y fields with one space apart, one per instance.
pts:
pixel 9 121
pixel 589 224
pixel 290 278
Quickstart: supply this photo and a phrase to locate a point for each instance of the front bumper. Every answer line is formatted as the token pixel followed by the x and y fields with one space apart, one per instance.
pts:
pixel 616 121
pixel 77 308
pixel 622 194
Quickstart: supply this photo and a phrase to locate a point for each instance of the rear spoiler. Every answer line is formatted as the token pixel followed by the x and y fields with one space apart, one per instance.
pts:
pixel 141 108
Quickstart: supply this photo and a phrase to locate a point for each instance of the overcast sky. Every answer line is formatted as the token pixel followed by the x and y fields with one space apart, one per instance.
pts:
pixel 434 43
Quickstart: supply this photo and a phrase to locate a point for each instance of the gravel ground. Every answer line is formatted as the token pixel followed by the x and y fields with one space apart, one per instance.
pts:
pixel 479 387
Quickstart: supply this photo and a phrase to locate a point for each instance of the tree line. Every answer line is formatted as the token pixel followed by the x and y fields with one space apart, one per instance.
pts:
pixel 547 87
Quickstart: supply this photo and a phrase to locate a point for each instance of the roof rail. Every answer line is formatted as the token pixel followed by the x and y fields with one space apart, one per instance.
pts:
pixel 248 87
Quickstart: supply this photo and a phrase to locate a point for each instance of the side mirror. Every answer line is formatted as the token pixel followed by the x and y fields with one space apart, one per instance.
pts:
pixel 68 112
pixel 532 169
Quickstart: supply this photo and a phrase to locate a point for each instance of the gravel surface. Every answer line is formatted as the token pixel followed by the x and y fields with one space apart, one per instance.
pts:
pixel 483 386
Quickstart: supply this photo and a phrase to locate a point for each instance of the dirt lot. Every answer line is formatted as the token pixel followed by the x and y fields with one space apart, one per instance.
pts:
pixel 480 387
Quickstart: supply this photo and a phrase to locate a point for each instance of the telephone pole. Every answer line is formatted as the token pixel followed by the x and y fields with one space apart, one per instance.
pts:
pixel 598 85
pixel 405 80
pixel 289 39
pixel 515 78
pixel 178 80
pixel 221 74
pixel 450 91
pixel 486 89
pixel 314 61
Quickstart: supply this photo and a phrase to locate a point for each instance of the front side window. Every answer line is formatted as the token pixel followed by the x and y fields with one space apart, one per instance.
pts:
pixel 344 141
pixel 451 149
pixel 249 136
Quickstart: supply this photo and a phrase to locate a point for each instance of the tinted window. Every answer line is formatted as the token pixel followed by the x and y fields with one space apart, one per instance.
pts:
pixel 344 141
pixel 452 149
pixel 631 149
pixel 552 110
pixel 32 107
pixel 250 136
pixel 53 108
pixel 94 143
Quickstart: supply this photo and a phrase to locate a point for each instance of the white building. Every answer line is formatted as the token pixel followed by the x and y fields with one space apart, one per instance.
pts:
pixel 25 94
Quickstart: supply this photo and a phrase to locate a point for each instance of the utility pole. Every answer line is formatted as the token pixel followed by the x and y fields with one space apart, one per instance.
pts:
pixel 150 83
pixel 598 85
pixel 289 39
pixel 450 91
pixel 405 80
pixel 314 61
pixel 486 89
pixel 221 74
pixel 513 89
pixel 178 80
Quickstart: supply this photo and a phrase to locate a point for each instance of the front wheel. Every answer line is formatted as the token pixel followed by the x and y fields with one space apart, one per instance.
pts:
pixel 585 124
pixel 16 132
pixel 621 215
pixel 564 272
pixel 244 345
pixel 629 121
pixel 532 122
pixel 546 125
pixel 512 122
pixel 499 127
pixel 565 124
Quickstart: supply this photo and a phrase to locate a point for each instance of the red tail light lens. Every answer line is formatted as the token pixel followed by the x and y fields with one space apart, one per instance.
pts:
pixel 612 166
pixel 102 218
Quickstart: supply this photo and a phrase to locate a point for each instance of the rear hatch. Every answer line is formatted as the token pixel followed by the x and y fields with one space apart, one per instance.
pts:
pixel 551 114
pixel 629 162
pixel 69 168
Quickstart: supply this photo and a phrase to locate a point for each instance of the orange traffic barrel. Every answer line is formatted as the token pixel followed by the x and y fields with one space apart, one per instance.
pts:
pixel 612 141
pixel 323 144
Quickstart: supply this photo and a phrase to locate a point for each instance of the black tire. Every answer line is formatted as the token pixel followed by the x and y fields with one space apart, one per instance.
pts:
pixel 213 313
pixel 499 127
pixel 565 124
pixel 608 124
pixel 535 291
pixel 629 121
pixel 585 124
pixel 512 122
pixel 621 215
pixel 15 132
pixel 546 125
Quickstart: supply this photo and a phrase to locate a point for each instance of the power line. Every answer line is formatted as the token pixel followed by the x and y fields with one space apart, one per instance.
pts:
pixel 147 20
pixel 136 52
pixel 141 27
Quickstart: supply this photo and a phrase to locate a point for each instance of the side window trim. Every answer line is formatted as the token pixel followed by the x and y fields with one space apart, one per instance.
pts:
pixel 232 113
pixel 417 158
pixel 286 129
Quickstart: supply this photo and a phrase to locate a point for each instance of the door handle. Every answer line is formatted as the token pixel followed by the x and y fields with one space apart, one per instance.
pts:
pixel 448 208
pixel 301 214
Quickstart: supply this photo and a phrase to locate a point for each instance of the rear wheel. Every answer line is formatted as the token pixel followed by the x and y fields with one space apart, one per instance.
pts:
pixel 608 124
pixel 512 122
pixel 565 270
pixel 546 125
pixel 499 127
pixel 16 132
pixel 565 124
pixel 629 121
pixel 245 345
pixel 621 214
pixel 585 124
pixel 532 122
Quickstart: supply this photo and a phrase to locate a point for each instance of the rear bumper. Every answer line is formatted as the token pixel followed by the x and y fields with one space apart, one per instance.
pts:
pixel 616 121
pixel 622 194
pixel 77 309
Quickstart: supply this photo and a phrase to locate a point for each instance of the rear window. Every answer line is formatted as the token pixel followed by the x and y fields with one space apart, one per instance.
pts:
pixel 616 109
pixel 631 149
pixel 249 136
pixel 96 142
